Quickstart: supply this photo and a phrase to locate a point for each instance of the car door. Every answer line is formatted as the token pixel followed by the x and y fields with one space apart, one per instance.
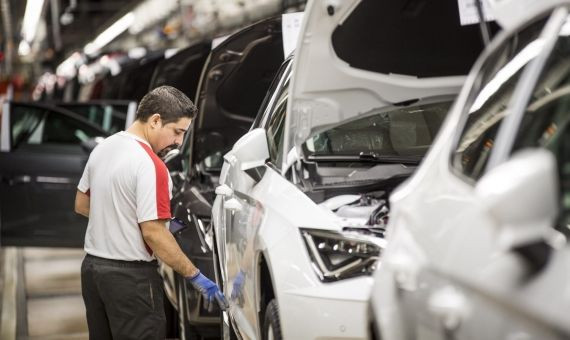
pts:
pixel 42 161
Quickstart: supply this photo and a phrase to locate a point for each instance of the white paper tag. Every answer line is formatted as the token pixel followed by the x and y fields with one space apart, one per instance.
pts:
pixel 468 14
pixel 290 27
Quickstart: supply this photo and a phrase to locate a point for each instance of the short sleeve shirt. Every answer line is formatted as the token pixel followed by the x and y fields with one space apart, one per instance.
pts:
pixel 127 184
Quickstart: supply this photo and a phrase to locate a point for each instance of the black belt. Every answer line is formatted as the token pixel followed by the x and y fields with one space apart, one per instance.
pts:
pixel 121 263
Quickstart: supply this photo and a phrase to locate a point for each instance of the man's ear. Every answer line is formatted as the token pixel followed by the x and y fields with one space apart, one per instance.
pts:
pixel 154 120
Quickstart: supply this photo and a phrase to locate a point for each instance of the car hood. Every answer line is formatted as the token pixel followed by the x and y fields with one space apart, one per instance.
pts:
pixel 232 86
pixel 354 56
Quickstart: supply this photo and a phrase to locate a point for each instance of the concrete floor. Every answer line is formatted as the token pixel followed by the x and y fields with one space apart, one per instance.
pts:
pixel 55 309
pixel 49 304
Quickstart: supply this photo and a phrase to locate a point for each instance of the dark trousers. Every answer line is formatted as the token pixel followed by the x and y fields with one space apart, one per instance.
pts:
pixel 123 299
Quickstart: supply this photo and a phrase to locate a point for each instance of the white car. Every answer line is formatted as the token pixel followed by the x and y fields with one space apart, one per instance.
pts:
pixel 477 237
pixel 301 208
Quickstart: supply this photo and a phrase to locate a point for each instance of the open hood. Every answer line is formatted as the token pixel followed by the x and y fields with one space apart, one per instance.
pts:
pixel 354 56
pixel 232 86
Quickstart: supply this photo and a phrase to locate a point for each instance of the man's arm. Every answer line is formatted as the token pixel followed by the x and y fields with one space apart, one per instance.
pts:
pixel 164 246
pixel 82 204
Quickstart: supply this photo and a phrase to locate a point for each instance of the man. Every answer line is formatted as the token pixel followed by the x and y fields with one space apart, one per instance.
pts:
pixel 125 192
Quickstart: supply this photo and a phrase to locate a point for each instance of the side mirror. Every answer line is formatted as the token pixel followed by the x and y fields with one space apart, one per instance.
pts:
pixel 522 196
pixel 252 152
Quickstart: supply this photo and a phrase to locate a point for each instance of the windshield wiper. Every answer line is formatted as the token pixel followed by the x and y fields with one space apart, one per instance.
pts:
pixel 367 157
pixel 374 157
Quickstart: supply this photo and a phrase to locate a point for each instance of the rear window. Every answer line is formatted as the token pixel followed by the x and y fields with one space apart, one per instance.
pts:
pixel 417 37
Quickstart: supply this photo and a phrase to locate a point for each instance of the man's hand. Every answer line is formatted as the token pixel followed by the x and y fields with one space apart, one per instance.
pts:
pixel 209 290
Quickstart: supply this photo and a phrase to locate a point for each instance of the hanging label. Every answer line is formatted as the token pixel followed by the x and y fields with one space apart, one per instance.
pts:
pixel 291 26
pixel 468 14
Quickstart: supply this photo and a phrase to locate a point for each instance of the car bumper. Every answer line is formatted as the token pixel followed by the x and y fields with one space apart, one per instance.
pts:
pixel 327 311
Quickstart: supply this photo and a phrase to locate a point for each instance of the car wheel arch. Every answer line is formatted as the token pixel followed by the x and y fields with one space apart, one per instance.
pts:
pixel 265 286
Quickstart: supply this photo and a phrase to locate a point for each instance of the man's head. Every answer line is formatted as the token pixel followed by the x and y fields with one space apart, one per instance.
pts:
pixel 165 114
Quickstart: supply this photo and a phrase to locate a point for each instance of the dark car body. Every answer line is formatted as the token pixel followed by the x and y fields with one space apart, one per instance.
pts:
pixel 41 161
pixel 183 69
pixel 133 81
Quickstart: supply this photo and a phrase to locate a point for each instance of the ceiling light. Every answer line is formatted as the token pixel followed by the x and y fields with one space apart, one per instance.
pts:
pixel 24 48
pixel 110 33
pixel 31 19
pixel 66 18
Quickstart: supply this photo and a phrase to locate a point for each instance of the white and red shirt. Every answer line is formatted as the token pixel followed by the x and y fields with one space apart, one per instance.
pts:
pixel 127 184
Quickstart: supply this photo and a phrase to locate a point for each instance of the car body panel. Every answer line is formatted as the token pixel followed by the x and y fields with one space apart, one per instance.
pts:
pixel 262 226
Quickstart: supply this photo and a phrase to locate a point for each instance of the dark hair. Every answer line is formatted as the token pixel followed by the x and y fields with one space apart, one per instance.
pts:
pixel 167 101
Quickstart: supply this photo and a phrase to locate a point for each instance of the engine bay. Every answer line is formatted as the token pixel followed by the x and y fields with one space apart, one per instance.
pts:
pixel 366 213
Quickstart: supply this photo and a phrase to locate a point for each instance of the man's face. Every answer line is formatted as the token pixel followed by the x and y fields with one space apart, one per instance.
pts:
pixel 166 137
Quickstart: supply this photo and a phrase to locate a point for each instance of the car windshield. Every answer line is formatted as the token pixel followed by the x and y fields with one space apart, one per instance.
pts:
pixel 393 132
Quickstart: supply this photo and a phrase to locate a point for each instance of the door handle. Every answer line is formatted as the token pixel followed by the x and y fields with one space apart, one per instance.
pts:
pixel 232 205
pixel 224 190
pixel 54 180
pixel 22 179
pixel 450 306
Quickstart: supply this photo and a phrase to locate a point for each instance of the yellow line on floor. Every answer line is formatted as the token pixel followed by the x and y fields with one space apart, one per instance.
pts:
pixel 9 312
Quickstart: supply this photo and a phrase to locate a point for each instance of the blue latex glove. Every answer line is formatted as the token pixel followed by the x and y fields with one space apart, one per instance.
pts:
pixel 209 290
pixel 237 287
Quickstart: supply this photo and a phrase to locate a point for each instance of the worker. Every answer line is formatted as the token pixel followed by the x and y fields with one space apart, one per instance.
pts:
pixel 125 193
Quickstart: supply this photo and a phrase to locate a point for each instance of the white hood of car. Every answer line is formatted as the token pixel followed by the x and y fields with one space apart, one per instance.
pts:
pixel 326 90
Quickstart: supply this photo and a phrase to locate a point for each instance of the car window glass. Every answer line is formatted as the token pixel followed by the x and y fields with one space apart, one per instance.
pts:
pixel 275 92
pixel 489 98
pixel 60 129
pixel 111 118
pixel 546 121
pixel 24 120
pixel 53 128
pixel 275 129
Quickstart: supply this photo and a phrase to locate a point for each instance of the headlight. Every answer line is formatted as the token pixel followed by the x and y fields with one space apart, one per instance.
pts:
pixel 336 256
